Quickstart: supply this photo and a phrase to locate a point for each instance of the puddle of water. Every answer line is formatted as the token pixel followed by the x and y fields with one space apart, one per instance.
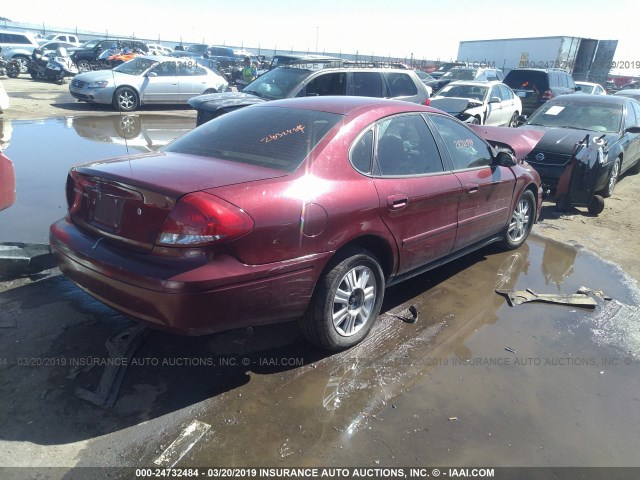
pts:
pixel 43 151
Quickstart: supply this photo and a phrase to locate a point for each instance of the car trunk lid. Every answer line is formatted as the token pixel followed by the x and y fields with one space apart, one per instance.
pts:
pixel 129 199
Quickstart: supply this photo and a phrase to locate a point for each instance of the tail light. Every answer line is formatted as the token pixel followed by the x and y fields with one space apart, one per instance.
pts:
pixel 201 219
pixel 427 102
pixel 547 95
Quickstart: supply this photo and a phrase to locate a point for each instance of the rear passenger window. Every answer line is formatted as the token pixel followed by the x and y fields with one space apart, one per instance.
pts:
pixel 465 148
pixel 327 84
pixel 505 92
pixel 401 85
pixel 367 84
pixel 362 153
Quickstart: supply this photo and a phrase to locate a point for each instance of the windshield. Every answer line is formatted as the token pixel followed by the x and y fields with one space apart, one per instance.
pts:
pixel 460 74
pixel 272 137
pixel 50 37
pixel 598 117
pixel 464 91
pixel 277 83
pixel 91 44
pixel 136 66
pixel 199 49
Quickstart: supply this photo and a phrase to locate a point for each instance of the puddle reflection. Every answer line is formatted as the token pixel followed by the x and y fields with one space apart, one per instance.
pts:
pixel 557 262
pixel 42 152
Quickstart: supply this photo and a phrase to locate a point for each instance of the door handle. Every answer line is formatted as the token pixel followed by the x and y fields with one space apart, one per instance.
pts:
pixel 472 187
pixel 397 202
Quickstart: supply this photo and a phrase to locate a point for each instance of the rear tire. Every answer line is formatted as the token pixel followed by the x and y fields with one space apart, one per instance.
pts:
pixel 346 301
pixel 83 66
pixel 514 120
pixel 563 203
pixel 521 221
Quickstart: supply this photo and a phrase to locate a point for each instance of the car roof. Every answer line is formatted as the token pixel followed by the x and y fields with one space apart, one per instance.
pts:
pixel 344 105
pixel 628 91
pixel 307 57
pixel 476 83
pixel 604 99
pixel 591 84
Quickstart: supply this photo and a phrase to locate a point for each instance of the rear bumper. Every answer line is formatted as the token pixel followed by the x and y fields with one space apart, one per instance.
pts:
pixel 184 295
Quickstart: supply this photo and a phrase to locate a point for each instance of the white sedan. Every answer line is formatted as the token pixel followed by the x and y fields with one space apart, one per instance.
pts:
pixel 147 80
pixel 591 88
pixel 484 103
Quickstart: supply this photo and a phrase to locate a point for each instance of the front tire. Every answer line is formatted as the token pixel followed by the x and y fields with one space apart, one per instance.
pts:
pixel 125 99
pixel 613 179
pixel 13 70
pixel 521 221
pixel 346 302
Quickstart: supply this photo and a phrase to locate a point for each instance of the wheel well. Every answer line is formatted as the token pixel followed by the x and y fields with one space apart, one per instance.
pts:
pixel 376 245
pixel 532 188
pixel 120 87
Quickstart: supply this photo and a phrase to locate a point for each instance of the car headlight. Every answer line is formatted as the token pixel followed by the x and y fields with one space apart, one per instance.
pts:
pixel 99 84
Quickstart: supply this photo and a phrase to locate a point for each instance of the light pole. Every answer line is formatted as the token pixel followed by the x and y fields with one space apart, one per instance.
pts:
pixel 317 29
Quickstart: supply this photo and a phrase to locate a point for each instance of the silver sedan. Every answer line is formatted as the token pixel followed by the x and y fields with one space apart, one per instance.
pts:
pixel 147 80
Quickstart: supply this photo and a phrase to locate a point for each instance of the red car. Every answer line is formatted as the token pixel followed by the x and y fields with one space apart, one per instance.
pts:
pixel 295 209
pixel 7 182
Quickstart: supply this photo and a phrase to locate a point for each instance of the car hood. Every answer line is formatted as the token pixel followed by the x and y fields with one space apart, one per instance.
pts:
pixel 454 105
pixel 215 101
pixel 563 140
pixel 169 173
pixel 521 141
pixel 102 75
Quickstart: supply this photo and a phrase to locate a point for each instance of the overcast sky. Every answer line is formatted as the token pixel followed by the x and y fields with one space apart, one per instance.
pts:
pixel 397 28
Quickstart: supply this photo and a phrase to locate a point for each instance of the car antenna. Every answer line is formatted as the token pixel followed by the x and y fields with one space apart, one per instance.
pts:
pixel 124 132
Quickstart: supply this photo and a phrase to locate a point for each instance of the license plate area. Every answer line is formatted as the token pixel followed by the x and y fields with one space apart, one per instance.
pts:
pixel 108 210
pixel 108 205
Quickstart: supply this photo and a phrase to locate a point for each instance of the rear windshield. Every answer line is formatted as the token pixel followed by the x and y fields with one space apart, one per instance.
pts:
pixel 277 83
pixel 272 137
pixel 527 80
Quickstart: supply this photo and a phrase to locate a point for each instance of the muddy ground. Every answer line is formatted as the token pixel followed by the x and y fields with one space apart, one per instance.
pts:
pixel 473 382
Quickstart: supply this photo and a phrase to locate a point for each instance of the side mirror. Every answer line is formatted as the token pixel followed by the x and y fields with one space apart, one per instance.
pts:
pixel 578 88
pixel 206 54
pixel 152 74
pixel 505 159
pixel 634 129
pixel 521 119
pixel 494 100
pixel 98 48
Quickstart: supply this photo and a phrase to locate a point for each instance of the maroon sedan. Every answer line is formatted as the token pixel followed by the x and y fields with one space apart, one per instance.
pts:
pixel 294 209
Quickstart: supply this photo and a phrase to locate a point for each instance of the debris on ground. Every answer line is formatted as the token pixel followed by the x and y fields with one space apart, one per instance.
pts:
pixel 121 348
pixel 409 315
pixel 517 297
pixel 19 259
